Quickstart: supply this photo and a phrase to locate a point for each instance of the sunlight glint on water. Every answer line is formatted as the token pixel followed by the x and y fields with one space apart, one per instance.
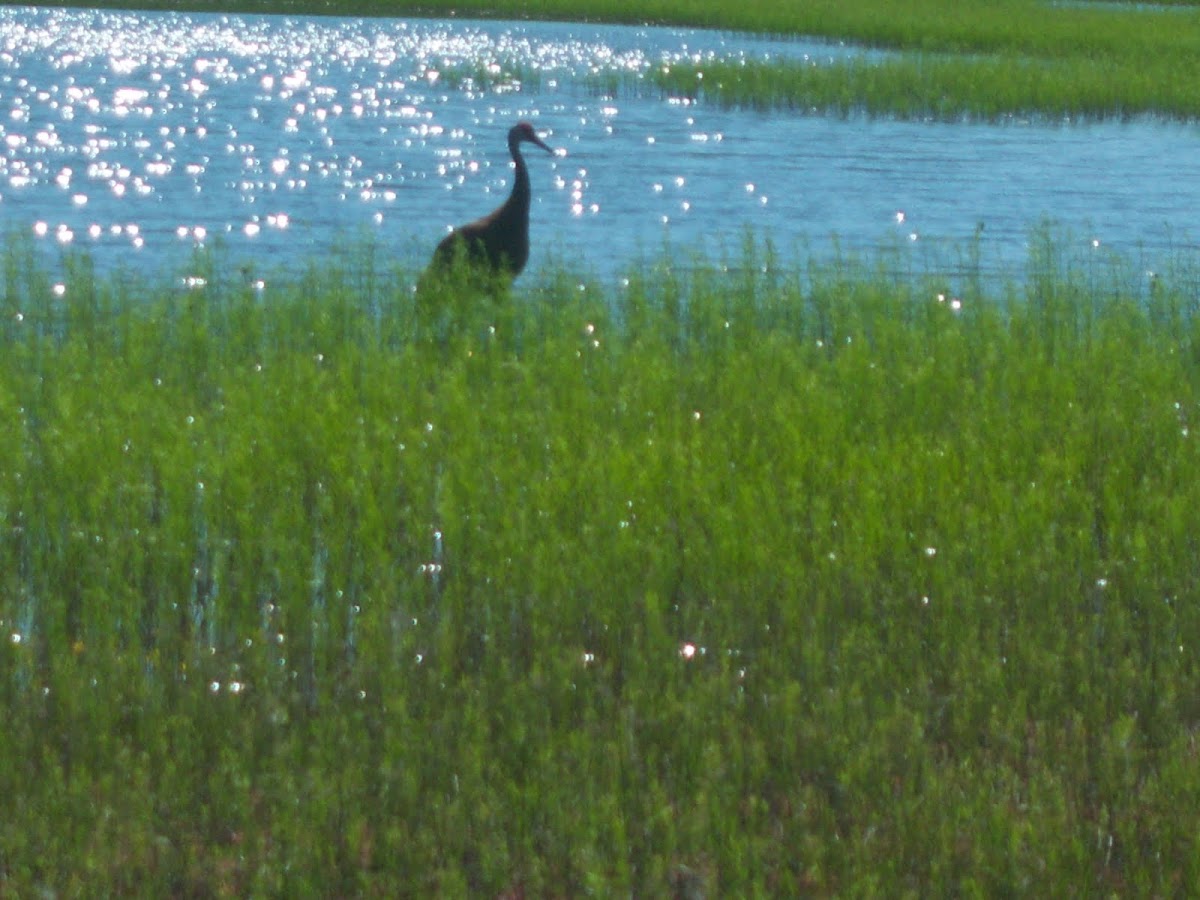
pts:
pixel 141 136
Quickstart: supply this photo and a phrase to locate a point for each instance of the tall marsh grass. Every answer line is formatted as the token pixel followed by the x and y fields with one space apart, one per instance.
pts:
pixel 771 579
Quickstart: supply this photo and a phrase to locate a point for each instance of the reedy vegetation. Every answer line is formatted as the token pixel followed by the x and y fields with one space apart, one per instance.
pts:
pixel 776 578
pixel 782 579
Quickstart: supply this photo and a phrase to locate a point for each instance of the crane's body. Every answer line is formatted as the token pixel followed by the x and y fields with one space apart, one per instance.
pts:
pixel 498 242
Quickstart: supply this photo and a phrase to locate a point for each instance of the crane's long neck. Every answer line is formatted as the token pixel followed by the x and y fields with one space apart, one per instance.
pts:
pixel 518 201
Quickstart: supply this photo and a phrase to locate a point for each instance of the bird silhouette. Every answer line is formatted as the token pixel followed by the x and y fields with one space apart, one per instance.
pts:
pixel 499 242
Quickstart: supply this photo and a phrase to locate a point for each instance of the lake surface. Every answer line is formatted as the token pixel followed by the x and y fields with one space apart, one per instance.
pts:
pixel 138 136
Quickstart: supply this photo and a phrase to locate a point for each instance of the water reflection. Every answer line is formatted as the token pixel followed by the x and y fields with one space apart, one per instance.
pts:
pixel 140 136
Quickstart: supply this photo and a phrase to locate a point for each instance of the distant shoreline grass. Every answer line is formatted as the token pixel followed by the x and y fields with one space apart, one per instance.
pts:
pixel 954 60
pixel 768 581
pixel 940 89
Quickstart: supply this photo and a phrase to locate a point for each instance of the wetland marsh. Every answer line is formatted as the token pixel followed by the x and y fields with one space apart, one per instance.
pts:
pixel 770 571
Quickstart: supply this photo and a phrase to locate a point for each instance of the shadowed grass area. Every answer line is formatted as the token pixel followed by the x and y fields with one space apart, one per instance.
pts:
pixel 767 579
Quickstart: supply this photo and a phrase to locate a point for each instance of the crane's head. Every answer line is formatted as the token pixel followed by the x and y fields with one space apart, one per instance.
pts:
pixel 522 133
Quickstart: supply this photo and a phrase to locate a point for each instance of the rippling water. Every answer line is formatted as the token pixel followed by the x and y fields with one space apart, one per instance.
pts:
pixel 138 136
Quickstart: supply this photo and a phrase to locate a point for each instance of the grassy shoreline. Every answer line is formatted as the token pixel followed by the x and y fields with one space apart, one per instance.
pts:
pixel 775 581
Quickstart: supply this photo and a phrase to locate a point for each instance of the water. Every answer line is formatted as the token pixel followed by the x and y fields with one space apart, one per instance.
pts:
pixel 140 136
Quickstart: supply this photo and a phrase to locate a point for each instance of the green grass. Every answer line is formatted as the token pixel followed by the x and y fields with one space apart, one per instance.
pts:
pixel 967 60
pixel 943 88
pixel 783 579
pixel 301 600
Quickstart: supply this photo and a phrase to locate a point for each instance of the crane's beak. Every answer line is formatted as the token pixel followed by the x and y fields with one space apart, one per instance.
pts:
pixel 537 140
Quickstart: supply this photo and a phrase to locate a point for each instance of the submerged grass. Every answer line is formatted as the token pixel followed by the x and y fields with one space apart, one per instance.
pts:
pixel 759 580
